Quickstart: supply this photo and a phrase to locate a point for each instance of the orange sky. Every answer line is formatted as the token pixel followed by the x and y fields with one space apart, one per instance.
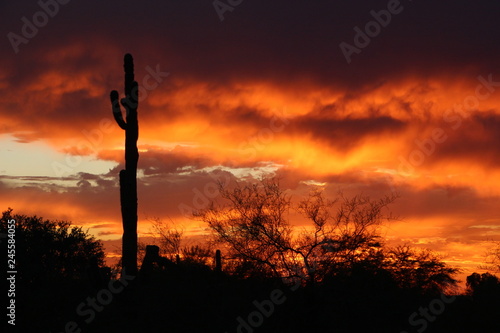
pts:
pixel 265 90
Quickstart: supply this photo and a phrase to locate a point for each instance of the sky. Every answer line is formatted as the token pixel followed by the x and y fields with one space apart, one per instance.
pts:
pixel 372 97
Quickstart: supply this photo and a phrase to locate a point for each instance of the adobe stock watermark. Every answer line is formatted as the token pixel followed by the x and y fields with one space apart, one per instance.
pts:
pixel 93 305
pixel 221 7
pixel 372 29
pixel 422 318
pixel 266 308
pixel 29 29
pixel 11 271
pixel 454 117
pixel 264 136
pixel 94 138
pixel 202 198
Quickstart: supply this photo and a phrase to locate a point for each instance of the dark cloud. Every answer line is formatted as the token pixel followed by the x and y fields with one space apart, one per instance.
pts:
pixel 280 43
pixel 155 163
pixel 477 139
pixel 345 134
pixel 259 40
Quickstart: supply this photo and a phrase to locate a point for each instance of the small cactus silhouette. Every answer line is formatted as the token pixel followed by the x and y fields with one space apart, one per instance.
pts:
pixel 128 176
pixel 218 261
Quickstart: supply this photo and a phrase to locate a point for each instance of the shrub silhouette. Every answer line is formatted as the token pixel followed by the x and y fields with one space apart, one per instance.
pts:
pixel 52 251
pixel 58 265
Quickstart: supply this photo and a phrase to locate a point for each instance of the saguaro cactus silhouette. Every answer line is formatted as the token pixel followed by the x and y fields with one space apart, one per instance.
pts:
pixel 218 261
pixel 128 177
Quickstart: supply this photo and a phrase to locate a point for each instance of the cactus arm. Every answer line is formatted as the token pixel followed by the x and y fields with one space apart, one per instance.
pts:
pixel 117 112
pixel 130 102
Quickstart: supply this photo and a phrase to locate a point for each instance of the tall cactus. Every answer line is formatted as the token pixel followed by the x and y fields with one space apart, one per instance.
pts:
pixel 128 177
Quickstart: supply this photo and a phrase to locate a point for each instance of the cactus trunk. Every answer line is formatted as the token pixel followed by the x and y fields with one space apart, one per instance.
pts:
pixel 128 176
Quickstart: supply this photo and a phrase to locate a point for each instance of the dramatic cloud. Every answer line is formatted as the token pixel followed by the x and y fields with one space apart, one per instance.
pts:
pixel 366 96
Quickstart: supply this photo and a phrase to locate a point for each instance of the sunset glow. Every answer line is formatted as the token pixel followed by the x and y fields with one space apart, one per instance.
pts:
pixel 415 113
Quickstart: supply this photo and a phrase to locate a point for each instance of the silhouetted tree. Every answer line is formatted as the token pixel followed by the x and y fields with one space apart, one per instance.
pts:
pixel 197 254
pixel 345 232
pixel 52 251
pixel 168 236
pixel 254 225
pixel 419 270
pixel 493 259
pixel 57 266
pixel 496 257
pixel 483 285
pixel 128 176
